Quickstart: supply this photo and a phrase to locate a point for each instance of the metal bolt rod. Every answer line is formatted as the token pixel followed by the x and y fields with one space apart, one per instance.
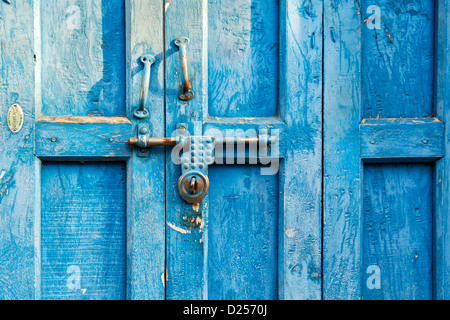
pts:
pixel 173 141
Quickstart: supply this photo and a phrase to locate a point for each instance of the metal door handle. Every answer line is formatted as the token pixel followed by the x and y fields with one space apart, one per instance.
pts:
pixel 147 61
pixel 187 94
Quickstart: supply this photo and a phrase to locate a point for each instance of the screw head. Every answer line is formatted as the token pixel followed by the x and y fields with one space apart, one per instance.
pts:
pixel 143 130
pixel 425 141
pixel 111 139
pixel 53 139
pixel 372 141
pixel 181 130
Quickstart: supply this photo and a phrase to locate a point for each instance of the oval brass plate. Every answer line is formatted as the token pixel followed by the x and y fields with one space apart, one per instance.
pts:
pixel 15 118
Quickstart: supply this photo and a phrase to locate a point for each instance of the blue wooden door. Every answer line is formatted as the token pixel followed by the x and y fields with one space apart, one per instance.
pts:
pixel 350 203
pixel 83 215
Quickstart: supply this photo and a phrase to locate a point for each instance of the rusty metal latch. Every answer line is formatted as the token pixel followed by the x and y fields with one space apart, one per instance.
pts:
pixel 197 153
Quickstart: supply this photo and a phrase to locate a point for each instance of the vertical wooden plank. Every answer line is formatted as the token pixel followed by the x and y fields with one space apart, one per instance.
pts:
pixel 442 179
pixel 300 173
pixel 146 221
pixel 342 164
pixel 17 163
pixel 186 223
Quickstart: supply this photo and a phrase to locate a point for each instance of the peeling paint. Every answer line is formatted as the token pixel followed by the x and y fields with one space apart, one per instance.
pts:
pixel 181 230
pixel 196 207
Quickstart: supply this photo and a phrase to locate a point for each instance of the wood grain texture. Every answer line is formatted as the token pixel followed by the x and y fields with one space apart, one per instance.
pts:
pixel 186 224
pixel 388 140
pixel 397 230
pixel 300 100
pixel 83 231
pixel 17 163
pixel 145 176
pixel 376 74
pixel 243 236
pixel 442 181
pixel 342 164
pixel 243 58
pixel 398 60
pixel 80 140
pixel 83 65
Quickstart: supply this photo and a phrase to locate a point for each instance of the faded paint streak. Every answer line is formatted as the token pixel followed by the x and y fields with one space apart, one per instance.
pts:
pixel 81 120
pixel 181 230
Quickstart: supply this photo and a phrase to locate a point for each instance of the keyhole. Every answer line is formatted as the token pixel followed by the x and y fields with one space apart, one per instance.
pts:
pixel 193 185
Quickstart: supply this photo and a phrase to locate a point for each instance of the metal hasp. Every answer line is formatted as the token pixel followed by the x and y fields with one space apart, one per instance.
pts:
pixel 141 112
pixel 198 152
pixel 187 94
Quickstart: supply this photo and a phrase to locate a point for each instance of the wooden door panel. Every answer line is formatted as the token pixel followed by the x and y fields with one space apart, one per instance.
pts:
pixel 83 230
pixel 243 233
pixel 397 230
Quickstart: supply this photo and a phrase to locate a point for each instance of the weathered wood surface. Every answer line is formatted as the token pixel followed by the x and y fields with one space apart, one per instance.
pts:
pixel 388 140
pixel 83 138
pixel 145 176
pixel 19 255
pixel 379 65
pixel 83 232
pixel 300 184
pixel 243 58
pixel 442 110
pixel 233 50
pixel 342 164
pixel 397 231
pixel 84 57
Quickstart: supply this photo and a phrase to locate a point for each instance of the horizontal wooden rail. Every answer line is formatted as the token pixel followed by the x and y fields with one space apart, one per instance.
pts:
pixel 398 140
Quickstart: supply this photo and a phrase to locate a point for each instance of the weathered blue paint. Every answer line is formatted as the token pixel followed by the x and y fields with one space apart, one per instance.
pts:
pixel 82 138
pixel 300 107
pixel 395 140
pixel 83 230
pixel 397 234
pixel 235 54
pixel 17 164
pixel 243 58
pixel 441 259
pixel 83 58
pixel 243 217
pixel 378 218
pixel 362 98
pixel 145 176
